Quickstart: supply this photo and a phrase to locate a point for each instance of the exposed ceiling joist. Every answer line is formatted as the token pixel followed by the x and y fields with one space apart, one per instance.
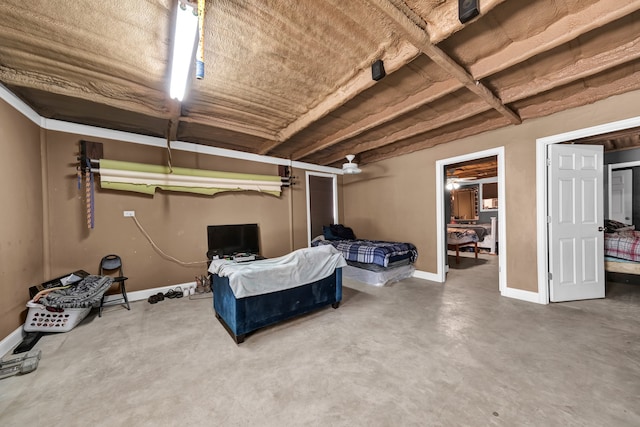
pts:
pixel 413 102
pixel 612 84
pixel 293 78
pixel 420 39
pixel 400 149
pixel 393 59
pixel 464 111
pixel 580 69
pixel 622 53
pixel 562 31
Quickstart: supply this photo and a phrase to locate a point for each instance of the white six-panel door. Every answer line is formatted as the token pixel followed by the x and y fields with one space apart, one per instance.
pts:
pixel 576 247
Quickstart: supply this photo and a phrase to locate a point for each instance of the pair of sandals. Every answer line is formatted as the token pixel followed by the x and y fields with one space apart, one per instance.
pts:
pixel 172 293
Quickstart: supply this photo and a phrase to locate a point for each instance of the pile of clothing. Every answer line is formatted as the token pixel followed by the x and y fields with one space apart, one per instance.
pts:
pixel 86 293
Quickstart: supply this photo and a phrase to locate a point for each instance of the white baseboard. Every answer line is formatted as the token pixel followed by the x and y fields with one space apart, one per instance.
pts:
pixel 521 295
pixel 15 337
pixel 426 276
pixel 146 293
pixel 12 340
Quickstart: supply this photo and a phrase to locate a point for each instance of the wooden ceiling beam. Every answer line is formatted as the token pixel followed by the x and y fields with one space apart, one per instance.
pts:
pixel 560 32
pixel 464 111
pixel 580 69
pixel 484 126
pixel 592 93
pixel 618 81
pixel 413 102
pixel 571 73
pixel 393 61
pixel 621 134
pixel 584 68
pixel 419 38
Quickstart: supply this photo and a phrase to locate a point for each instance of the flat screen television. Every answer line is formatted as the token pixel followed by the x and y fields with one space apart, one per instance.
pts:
pixel 226 240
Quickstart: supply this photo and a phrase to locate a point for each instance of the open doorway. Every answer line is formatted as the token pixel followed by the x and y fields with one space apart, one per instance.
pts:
pixel 625 132
pixel 470 192
pixel 471 197
pixel 322 202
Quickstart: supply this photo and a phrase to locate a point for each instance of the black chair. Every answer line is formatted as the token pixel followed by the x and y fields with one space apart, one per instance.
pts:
pixel 112 264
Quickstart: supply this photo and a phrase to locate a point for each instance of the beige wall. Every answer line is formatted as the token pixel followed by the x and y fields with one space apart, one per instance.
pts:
pixel 176 222
pixel 401 191
pixel 21 258
pixel 37 247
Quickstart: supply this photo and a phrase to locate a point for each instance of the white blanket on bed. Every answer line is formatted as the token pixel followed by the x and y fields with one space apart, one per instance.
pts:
pixel 271 275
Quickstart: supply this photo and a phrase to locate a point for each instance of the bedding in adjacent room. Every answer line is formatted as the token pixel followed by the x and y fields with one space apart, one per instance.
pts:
pixel 623 244
pixel 461 236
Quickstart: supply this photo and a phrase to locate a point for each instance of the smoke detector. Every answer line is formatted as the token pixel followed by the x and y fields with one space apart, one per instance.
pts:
pixel 350 168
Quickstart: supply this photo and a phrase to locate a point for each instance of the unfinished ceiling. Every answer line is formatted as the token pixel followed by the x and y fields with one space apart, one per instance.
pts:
pixel 292 79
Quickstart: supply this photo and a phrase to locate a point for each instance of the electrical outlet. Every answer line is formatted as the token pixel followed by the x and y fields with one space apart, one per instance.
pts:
pixel 129 213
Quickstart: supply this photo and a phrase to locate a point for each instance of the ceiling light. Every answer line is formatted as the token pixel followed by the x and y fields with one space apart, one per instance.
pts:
pixel 183 43
pixel 350 168
pixel 452 186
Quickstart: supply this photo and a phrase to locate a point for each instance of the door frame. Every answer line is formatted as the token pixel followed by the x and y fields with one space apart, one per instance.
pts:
pixel 609 171
pixel 334 179
pixel 610 168
pixel 542 193
pixel 440 220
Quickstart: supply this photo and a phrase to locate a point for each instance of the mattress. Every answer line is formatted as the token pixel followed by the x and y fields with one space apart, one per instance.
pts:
pixel 383 277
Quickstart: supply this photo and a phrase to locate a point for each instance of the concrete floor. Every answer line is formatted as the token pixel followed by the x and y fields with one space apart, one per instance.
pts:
pixel 416 353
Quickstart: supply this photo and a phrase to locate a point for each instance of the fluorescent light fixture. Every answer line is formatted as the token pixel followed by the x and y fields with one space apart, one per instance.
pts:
pixel 183 41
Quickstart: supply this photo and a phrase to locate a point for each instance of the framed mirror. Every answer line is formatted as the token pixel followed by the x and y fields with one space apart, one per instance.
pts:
pixel 464 203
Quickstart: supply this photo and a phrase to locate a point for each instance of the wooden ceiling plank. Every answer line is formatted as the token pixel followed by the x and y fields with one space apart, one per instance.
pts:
pixel 412 103
pixel 560 32
pixel 418 37
pixel 393 61
pixel 465 111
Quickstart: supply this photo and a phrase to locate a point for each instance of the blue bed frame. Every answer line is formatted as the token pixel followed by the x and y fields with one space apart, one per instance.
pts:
pixel 244 315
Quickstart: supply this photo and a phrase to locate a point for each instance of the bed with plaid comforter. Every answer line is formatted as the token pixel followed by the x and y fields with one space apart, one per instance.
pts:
pixel 372 251
pixel 624 245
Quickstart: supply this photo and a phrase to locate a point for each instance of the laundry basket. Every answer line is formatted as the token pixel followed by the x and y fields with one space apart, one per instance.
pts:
pixel 41 319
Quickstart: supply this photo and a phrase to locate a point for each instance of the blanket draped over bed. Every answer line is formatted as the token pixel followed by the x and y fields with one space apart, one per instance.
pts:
pixel 371 251
pixel 624 245
pixel 459 236
pixel 270 275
